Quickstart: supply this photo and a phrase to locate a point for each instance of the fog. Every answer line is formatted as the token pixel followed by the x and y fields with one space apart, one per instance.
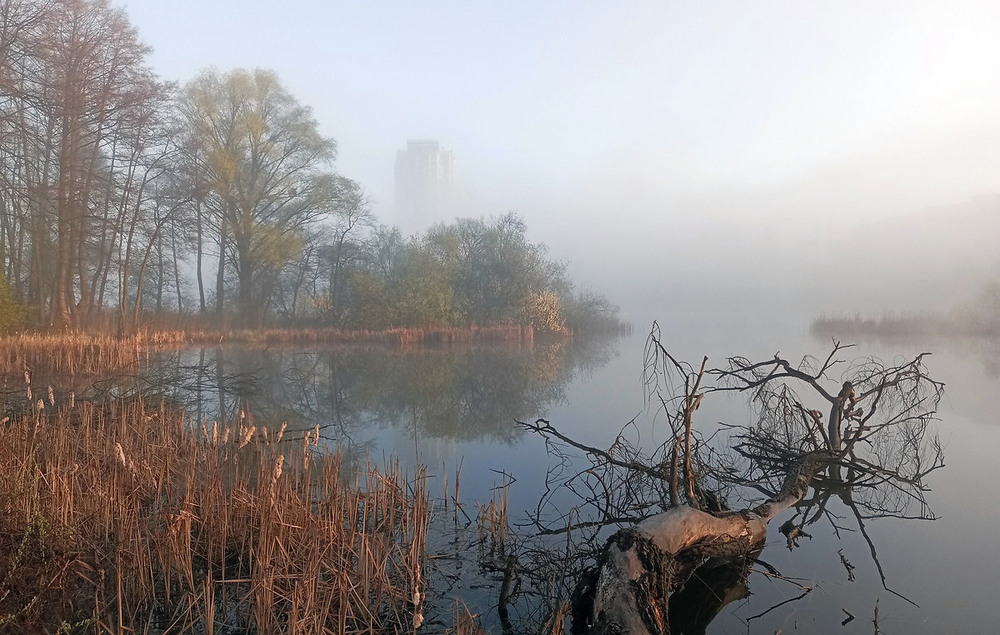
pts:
pixel 735 156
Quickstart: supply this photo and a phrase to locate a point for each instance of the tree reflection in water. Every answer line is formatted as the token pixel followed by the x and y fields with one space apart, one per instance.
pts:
pixel 690 519
pixel 460 394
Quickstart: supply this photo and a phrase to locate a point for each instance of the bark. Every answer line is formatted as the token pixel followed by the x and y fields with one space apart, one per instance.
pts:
pixel 631 588
pixel 198 264
pixel 220 273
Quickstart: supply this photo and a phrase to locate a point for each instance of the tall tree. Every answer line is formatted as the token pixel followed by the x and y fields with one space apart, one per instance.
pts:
pixel 269 173
pixel 78 107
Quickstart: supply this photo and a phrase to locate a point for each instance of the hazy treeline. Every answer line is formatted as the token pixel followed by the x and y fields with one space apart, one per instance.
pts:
pixel 481 271
pixel 978 317
pixel 122 194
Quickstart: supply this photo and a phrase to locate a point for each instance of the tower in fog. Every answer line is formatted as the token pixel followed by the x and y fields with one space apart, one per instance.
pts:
pixel 426 183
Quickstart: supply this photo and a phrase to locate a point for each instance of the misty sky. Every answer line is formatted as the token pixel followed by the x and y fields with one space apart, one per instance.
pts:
pixel 639 136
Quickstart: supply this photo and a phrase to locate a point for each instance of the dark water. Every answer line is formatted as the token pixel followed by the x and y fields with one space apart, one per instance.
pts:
pixel 451 409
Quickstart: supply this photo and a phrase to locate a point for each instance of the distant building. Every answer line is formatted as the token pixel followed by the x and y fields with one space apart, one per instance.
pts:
pixel 426 184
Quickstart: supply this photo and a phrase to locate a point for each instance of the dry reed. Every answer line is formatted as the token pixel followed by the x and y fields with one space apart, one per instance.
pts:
pixel 70 354
pixel 492 525
pixel 122 516
pixel 465 622
pixel 396 337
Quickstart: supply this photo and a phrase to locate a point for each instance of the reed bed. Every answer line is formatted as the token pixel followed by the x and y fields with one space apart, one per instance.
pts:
pixel 120 516
pixel 398 337
pixel 71 354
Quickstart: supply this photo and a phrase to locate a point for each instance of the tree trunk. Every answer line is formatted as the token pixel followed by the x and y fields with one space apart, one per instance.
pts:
pixel 248 312
pixel 220 275
pixel 631 588
pixel 201 283
pixel 176 268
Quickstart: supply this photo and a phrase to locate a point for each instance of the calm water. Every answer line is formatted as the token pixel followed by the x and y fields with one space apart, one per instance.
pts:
pixel 455 409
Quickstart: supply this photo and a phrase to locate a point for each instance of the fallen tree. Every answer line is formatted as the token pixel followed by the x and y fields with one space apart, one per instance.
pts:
pixel 872 451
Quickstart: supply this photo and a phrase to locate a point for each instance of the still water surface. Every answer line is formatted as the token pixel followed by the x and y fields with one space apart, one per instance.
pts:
pixel 456 410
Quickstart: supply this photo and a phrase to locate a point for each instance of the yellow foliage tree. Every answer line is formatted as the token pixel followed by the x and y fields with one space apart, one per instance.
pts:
pixel 543 311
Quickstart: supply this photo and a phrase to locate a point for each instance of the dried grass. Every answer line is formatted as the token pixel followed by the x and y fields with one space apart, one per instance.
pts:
pixel 71 354
pixel 399 337
pixel 123 516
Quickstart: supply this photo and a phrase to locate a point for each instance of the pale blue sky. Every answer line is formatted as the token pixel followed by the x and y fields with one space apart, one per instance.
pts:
pixel 654 114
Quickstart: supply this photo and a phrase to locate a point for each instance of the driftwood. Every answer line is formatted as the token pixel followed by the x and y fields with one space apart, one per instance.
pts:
pixel 679 566
pixel 642 566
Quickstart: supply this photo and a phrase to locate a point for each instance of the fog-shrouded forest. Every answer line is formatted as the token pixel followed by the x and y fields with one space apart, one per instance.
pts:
pixel 123 194
pixel 224 190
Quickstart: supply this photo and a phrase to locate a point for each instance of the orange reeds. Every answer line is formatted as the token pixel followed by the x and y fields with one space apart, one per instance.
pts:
pixel 396 337
pixel 69 354
pixel 82 354
pixel 124 515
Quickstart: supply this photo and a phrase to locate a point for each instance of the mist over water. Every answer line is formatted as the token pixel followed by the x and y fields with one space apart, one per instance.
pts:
pixel 729 171
pixel 778 158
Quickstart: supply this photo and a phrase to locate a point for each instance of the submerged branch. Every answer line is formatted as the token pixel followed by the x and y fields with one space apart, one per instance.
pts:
pixel 876 432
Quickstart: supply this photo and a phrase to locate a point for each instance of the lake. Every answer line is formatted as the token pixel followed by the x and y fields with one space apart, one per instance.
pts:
pixel 455 410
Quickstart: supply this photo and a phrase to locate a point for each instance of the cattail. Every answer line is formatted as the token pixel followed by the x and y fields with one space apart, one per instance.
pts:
pixel 27 378
pixel 72 400
pixel 316 435
pixel 247 435
pixel 121 454
pixel 41 405
pixel 281 432
pixel 215 433
pixel 418 614
pixel 277 467
pixel 52 398
pixel 29 392
pixel 225 435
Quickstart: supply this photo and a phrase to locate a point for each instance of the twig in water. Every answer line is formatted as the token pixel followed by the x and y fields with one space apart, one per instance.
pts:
pixel 847 565
pixel 850 617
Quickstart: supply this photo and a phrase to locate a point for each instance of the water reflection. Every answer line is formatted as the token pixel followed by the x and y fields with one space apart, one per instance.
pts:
pixel 969 366
pixel 452 394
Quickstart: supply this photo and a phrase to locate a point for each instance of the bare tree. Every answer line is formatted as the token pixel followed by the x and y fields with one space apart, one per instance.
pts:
pixel 352 214
pixel 78 110
pixel 857 431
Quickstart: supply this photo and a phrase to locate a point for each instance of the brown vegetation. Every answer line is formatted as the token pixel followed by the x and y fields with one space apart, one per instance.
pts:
pixel 395 337
pixel 82 354
pixel 120 516
pixel 70 354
